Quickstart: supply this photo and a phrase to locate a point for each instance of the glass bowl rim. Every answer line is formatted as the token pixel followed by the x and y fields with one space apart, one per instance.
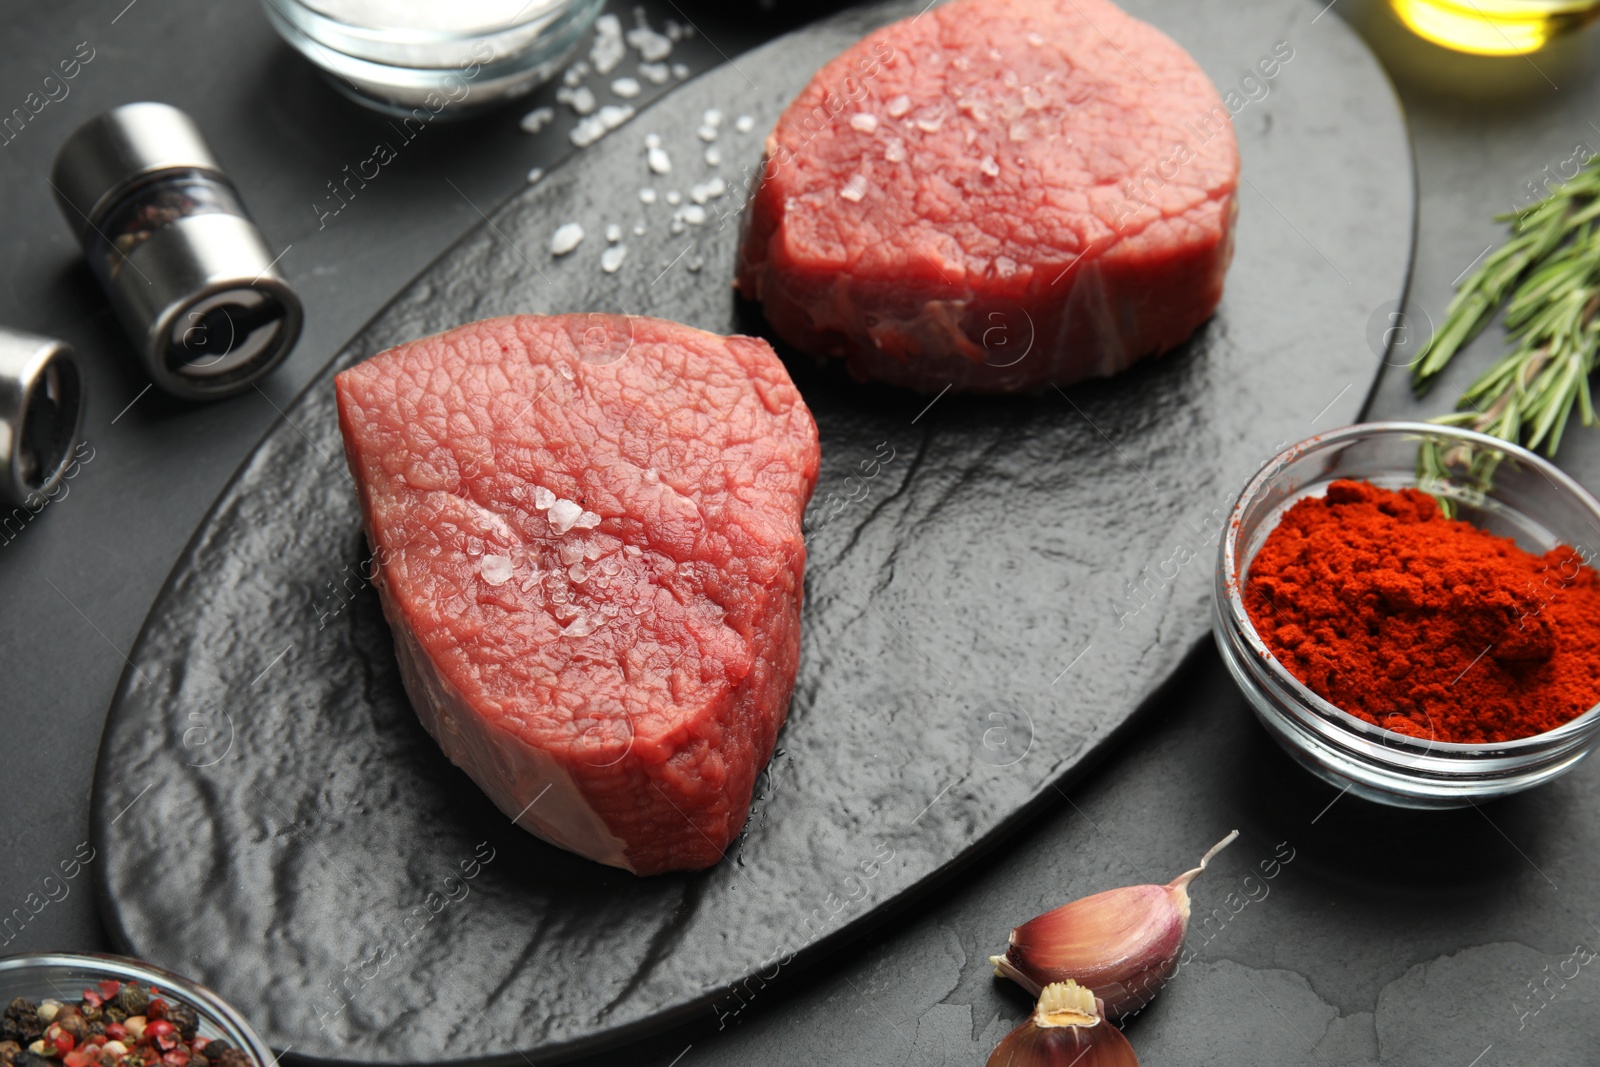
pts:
pixel 303 10
pixel 202 997
pixel 1239 618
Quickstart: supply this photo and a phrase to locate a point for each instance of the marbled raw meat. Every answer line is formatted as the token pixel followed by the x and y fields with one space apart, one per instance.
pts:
pixel 996 195
pixel 587 542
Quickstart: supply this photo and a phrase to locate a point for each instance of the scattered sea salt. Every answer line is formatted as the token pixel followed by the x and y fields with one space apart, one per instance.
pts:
pixel 537 119
pixel 608 48
pixel 496 570
pixel 582 626
pixel 652 140
pixel 744 123
pixel 990 167
pixel 931 125
pixel 677 226
pixel 655 73
pixel 694 215
pixel 592 551
pixel 695 264
pixel 578 573
pixel 660 162
pixel 639 229
pixel 587 521
pixel 674 197
pixel 713 156
pixel 581 99
pixel 647 195
pixel 706 133
pixel 680 70
pixel 1036 39
pixel 652 46
pixel 863 122
pixel 611 259
pixel 571 552
pixel 563 514
pixel 535 174
pixel 627 88
pixel 542 497
pixel 899 106
pixel 613 232
pixel 614 115
pixel 598 125
pixel 854 189
pixel 633 550
pixel 574 74
pixel 895 151
pixel 565 239
pixel 587 131
pixel 566 371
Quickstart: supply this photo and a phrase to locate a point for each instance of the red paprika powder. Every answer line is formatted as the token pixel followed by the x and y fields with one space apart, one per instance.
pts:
pixel 1423 624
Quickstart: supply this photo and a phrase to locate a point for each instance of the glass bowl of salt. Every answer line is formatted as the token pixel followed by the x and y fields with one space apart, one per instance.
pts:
pixel 422 61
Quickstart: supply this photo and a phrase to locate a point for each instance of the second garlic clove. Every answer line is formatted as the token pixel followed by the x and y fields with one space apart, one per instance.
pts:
pixel 1066 1029
pixel 1123 944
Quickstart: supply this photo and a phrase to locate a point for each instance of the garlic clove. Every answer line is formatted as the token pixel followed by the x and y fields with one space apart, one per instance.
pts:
pixel 1123 944
pixel 1066 1029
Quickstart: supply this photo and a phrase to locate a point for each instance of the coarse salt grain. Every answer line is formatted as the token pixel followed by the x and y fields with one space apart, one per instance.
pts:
pixel 611 259
pixel 854 189
pixel 537 119
pixel 563 513
pixel 496 570
pixel 863 122
pixel 659 161
pixel 565 239
pixel 744 123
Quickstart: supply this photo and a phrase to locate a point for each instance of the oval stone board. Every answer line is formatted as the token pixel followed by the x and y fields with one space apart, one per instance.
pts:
pixel 995 587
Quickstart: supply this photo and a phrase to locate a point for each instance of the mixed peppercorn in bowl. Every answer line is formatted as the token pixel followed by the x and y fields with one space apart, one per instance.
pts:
pixel 64 1010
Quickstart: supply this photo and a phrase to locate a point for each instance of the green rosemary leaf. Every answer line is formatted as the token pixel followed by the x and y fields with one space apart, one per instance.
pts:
pixel 1545 282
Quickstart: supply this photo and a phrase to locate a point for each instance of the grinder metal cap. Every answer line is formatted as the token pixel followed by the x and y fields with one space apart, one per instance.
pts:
pixel 113 152
pixel 189 275
pixel 41 414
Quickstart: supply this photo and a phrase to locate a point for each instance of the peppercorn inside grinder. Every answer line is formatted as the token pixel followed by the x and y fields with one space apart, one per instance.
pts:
pixel 41 415
pixel 193 283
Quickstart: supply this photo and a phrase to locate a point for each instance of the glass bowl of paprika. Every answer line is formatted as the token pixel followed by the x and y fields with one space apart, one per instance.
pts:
pixel 1410 659
pixel 90 1010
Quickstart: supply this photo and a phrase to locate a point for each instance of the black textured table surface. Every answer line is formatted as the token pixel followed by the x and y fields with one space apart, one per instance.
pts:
pixel 1384 937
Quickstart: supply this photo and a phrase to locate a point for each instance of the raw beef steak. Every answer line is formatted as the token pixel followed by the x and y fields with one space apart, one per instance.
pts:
pixel 996 195
pixel 586 537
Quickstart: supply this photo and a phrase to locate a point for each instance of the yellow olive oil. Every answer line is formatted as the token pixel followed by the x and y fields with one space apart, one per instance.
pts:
pixel 1494 27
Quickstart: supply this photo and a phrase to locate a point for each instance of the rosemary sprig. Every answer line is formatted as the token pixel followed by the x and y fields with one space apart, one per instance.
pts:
pixel 1547 279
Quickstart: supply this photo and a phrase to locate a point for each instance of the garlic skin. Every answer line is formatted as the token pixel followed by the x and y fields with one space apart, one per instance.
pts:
pixel 1066 1029
pixel 1122 944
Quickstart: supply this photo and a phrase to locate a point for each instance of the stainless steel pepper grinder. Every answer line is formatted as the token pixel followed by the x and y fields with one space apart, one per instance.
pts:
pixel 41 415
pixel 196 287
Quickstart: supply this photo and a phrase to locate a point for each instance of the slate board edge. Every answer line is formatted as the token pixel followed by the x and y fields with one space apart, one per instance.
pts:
pixel 1384 365
pixel 817 951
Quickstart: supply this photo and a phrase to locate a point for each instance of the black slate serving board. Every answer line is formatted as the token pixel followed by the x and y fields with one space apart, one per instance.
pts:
pixel 995 587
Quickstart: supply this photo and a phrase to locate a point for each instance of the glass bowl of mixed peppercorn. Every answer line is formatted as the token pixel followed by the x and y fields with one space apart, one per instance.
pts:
pixel 65 1010
pixel 1413 612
